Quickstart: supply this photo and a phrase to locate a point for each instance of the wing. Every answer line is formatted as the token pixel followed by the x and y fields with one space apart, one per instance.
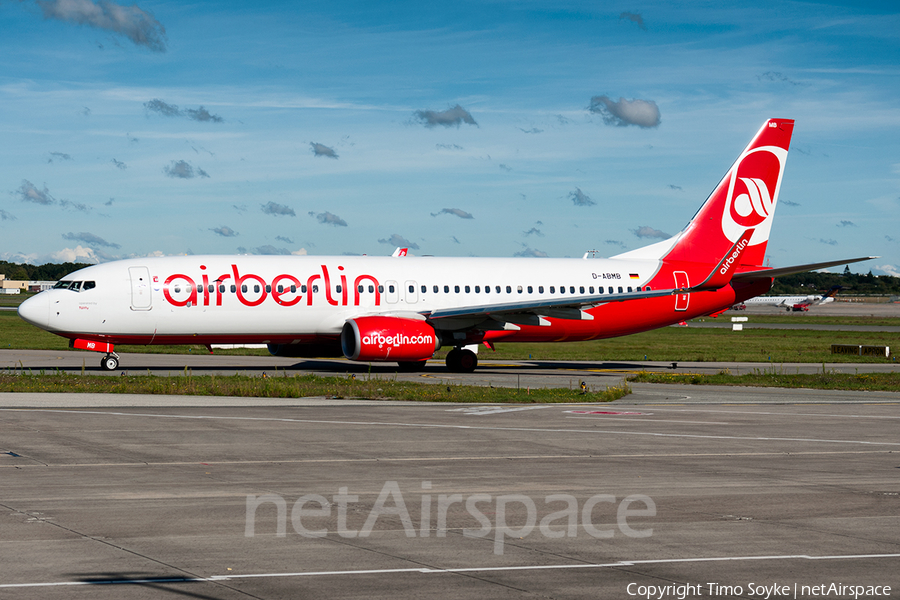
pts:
pixel 534 312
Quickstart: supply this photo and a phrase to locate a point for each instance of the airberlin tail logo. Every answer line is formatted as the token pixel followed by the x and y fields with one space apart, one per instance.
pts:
pixel 751 207
pixel 752 194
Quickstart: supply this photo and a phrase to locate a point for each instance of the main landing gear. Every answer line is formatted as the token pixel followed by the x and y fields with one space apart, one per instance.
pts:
pixel 110 362
pixel 461 360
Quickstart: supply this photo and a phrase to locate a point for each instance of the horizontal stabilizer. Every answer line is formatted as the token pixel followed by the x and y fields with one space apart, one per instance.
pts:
pixel 798 268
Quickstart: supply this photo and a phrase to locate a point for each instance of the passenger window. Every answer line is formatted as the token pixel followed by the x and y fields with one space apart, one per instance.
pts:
pixel 571 289
pixel 581 290
pixel 244 288
pixel 233 289
pixel 477 289
pixel 648 288
pixel 436 289
pixel 210 288
pixel 424 288
pixel 562 289
pixel 315 289
pixel 456 288
pixel 256 289
pixel 487 289
pixel 268 289
pixel 177 288
pixel 497 288
pixel 360 289
pixel 221 288
pixel 530 290
pixel 338 289
pixel 629 289
pixel 380 289
pixel 303 288
pixel 591 289
pixel 371 288
pixel 293 289
pixel 412 289
pixel 610 289
pixel 519 289
pixel 638 288
pixel 509 289
pixel 540 289
pixel 390 289
pixel 599 290
pixel 620 289
pixel 552 289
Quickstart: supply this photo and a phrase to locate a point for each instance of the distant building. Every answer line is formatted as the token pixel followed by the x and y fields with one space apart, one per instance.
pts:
pixel 11 286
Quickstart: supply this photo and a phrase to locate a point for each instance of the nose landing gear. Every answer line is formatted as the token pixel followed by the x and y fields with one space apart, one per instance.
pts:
pixel 110 362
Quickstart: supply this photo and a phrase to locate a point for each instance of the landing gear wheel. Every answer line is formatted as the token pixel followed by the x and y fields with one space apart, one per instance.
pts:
pixel 467 361
pixel 109 363
pixel 461 361
pixel 453 360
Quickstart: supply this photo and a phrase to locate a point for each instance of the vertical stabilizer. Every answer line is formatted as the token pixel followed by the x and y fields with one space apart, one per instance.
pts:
pixel 745 199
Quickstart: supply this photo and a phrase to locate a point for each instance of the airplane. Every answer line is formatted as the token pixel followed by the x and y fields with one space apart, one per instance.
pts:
pixel 404 308
pixel 794 303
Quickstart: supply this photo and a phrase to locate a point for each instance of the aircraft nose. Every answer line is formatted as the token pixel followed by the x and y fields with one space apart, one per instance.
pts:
pixel 36 310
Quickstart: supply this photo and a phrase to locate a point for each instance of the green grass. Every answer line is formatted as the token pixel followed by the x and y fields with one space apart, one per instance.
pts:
pixel 887 382
pixel 283 385
pixel 705 345
pixel 803 317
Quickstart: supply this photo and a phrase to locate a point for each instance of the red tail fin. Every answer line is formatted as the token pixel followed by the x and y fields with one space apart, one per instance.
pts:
pixel 744 199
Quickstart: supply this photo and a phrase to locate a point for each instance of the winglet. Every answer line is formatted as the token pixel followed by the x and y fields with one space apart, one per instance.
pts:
pixel 400 252
pixel 724 271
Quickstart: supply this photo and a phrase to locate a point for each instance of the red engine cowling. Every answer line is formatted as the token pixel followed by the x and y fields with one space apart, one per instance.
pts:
pixel 388 339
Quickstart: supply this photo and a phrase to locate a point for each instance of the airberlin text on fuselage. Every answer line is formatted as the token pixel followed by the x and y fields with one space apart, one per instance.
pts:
pixel 285 289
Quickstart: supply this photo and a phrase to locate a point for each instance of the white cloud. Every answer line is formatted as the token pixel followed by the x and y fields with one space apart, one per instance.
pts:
pixel 888 270
pixel 451 117
pixel 137 25
pixel 643 113
pixel 77 254
pixel 645 231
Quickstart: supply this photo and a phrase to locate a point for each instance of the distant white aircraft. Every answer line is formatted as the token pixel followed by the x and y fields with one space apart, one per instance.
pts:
pixel 794 303
pixel 403 308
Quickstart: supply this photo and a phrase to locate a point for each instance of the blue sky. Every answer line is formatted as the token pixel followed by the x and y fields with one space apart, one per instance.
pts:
pixel 467 128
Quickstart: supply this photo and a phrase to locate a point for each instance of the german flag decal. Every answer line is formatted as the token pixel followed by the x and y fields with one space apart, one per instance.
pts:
pixel 634 275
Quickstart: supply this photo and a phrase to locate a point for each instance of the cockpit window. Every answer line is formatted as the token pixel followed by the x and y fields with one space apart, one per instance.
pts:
pixel 75 286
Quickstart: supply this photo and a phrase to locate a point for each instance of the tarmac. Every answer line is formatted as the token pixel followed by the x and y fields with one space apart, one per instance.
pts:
pixel 148 497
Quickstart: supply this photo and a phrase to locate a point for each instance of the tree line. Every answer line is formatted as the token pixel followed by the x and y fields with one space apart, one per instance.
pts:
pixel 47 272
pixel 853 283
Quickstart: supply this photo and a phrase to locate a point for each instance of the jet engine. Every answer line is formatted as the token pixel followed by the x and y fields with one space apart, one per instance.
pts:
pixel 388 339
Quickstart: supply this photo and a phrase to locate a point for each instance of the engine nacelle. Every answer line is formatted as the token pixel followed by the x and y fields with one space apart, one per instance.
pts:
pixel 388 339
